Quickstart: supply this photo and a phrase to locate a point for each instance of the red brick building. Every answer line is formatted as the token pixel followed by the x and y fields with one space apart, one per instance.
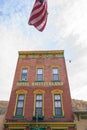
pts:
pixel 40 97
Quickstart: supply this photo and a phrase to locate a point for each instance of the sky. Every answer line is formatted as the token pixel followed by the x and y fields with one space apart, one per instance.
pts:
pixel 66 30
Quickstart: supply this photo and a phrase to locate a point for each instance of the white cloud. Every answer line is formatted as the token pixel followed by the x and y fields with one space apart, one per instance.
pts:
pixel 12 41
pixel 72 37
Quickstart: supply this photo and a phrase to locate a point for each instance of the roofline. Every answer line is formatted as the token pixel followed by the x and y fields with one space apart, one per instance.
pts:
pixel 80 111
pixel 41 52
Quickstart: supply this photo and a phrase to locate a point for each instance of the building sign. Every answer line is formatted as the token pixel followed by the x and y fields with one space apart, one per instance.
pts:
pixel 40 84
pixel 21 83
pixel 47 83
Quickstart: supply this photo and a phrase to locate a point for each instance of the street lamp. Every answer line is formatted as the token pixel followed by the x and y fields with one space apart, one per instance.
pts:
pixel 37 121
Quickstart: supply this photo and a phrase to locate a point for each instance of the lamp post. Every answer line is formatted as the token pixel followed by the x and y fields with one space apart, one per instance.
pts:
pixel 36 121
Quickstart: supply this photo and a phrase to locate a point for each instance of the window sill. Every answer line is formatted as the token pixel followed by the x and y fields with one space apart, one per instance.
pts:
pixel 56 81
pixel 39 117
pixel 21 116
pixel 61 116
pixel 39 81
pixel 23 81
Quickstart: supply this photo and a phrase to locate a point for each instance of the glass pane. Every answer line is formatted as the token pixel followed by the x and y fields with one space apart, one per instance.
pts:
pixel 40 77
pixel 24 77
pixel 24 71
pixel 19 111
pixel 55 71
pixel 39 111
pixel 57 104
pixel 38 104
pixel 24 74
pixel 39 71
pixel 21 97
pixel 55 76
pixel 20 104
pixel 57 97
pixel 58 111
pixel 39 97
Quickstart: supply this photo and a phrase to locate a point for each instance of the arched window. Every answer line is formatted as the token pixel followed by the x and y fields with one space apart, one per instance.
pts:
pixel 39 103
pixel 20 103
pixel 57 103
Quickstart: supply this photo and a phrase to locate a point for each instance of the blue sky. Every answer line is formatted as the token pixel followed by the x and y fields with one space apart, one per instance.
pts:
pixel 66 29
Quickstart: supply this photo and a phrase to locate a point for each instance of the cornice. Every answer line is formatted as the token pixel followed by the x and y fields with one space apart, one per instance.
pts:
pixel 41 54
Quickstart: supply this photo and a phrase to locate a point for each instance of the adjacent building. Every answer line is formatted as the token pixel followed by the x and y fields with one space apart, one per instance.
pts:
pixel 40 97
pixel 81 119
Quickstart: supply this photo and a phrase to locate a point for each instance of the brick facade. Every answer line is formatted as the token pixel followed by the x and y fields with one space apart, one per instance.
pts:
pixel 45 60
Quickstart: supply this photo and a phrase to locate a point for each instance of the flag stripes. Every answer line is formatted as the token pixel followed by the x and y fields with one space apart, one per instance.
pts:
pixel 38 17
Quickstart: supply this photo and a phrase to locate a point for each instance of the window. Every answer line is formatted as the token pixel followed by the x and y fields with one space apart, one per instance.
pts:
pixel 58 110
pixel 84 117
pixel 24 74
pixel 55 74
pixel 39 74
pixel 57 105
pixel 20 105
pixel 38 104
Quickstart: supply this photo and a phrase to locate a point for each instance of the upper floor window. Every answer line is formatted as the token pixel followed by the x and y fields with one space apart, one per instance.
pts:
pixel 39 74
pixel 55 74
pixel 38 108
pixel 24 74
pixel 20 105
pixel 57 105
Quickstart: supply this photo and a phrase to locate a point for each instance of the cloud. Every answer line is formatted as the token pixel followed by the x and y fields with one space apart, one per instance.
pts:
pixel 12 40
pixel 72 37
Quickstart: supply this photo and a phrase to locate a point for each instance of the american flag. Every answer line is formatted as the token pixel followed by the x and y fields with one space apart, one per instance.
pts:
pixel 38 16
